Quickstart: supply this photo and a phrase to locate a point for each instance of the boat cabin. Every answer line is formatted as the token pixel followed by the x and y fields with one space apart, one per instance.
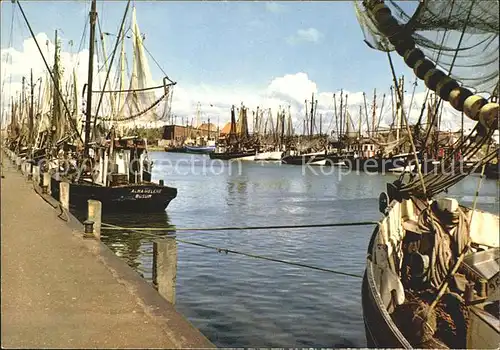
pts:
pixel 121 162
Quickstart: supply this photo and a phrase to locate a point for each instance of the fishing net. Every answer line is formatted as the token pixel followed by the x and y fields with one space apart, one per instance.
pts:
pixel 141 103
pixel 443 29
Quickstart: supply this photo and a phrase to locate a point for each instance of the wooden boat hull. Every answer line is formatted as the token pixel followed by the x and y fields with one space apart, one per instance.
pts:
pixel 146 197
pixel 380 331
pixel 383 289
pixel 199 149
pixel 233 155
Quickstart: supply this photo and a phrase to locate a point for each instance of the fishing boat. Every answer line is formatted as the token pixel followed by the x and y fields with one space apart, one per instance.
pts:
pixel 314 158
pixel 313 149
pixel 233 155
pixel 269 156
pixel 112 167
pixel 199 149
pixel 173 149
pixel 432 270
pixel 237 144
pixel 380 164
pixel 274 143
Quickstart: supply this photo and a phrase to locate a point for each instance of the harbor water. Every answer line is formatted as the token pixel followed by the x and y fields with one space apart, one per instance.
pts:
pixel 237 301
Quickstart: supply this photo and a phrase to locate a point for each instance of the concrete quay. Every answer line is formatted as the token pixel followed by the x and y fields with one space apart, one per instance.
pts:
pixel 60 290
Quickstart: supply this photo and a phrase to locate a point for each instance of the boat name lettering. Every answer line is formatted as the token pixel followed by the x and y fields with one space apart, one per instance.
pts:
pixel 145 190
pixel 143 196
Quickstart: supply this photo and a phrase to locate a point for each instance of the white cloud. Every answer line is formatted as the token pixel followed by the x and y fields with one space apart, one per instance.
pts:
pixel 288 90
pixel 274 7
pixel 311 35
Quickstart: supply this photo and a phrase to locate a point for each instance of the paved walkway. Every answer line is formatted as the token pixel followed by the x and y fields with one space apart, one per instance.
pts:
pixel 57 293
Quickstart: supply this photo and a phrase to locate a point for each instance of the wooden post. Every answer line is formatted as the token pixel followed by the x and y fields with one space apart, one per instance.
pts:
pixel 64 194
pixel 94 214
pixel 165 267
pixel 46 182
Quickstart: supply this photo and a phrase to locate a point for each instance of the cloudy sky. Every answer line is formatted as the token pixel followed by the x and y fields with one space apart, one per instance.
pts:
pixel 265 54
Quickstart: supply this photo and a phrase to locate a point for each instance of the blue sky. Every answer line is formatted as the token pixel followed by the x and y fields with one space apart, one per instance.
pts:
pixel 265 54
pixel 230 43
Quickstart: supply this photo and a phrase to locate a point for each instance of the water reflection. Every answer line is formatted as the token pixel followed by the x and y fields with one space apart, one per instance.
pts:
pixel 136 248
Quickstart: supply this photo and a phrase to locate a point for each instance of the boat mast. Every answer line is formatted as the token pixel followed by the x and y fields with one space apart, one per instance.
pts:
pixel 30 120
pixel 336 117
pixel 374 111
pixel 88 119
pixel 341 125
pixel 311 115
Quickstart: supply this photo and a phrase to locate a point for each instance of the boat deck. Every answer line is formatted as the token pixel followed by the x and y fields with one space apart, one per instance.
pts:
pixel 62 291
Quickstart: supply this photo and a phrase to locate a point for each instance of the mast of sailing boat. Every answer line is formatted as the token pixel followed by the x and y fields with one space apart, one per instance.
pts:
pixel 31 111
pixel 88 116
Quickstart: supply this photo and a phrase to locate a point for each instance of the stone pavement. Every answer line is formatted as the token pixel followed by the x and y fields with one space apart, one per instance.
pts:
pixel 62 291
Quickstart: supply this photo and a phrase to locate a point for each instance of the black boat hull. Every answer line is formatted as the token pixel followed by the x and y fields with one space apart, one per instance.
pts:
pixel 492 171
pixel 175 150
pixel 334 159
pixel 306 159
pixel 146 197
pixel 231 155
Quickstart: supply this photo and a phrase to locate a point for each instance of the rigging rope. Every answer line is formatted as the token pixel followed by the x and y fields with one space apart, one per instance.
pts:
pixel 155 61
pixel 417 163
pixel 239 228
pixel 73 123
pixel 250 255
pixel 439 104
pixel 111 63
pixel 137 114
pixel 437 227
pixel 134 90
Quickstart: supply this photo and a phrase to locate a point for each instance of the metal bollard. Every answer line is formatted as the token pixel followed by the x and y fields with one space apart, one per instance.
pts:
pixel 94 215
pixel 89 229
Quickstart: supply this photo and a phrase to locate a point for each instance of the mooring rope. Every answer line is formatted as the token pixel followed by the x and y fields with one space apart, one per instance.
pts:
pixel 226 250
pixel 238 228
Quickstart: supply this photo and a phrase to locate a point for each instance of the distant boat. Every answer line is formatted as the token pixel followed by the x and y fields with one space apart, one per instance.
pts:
pixel 199 149
pixel 396 163
pixel 269 156
pixel 175 149
pixel 316 158
pixel 243 155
